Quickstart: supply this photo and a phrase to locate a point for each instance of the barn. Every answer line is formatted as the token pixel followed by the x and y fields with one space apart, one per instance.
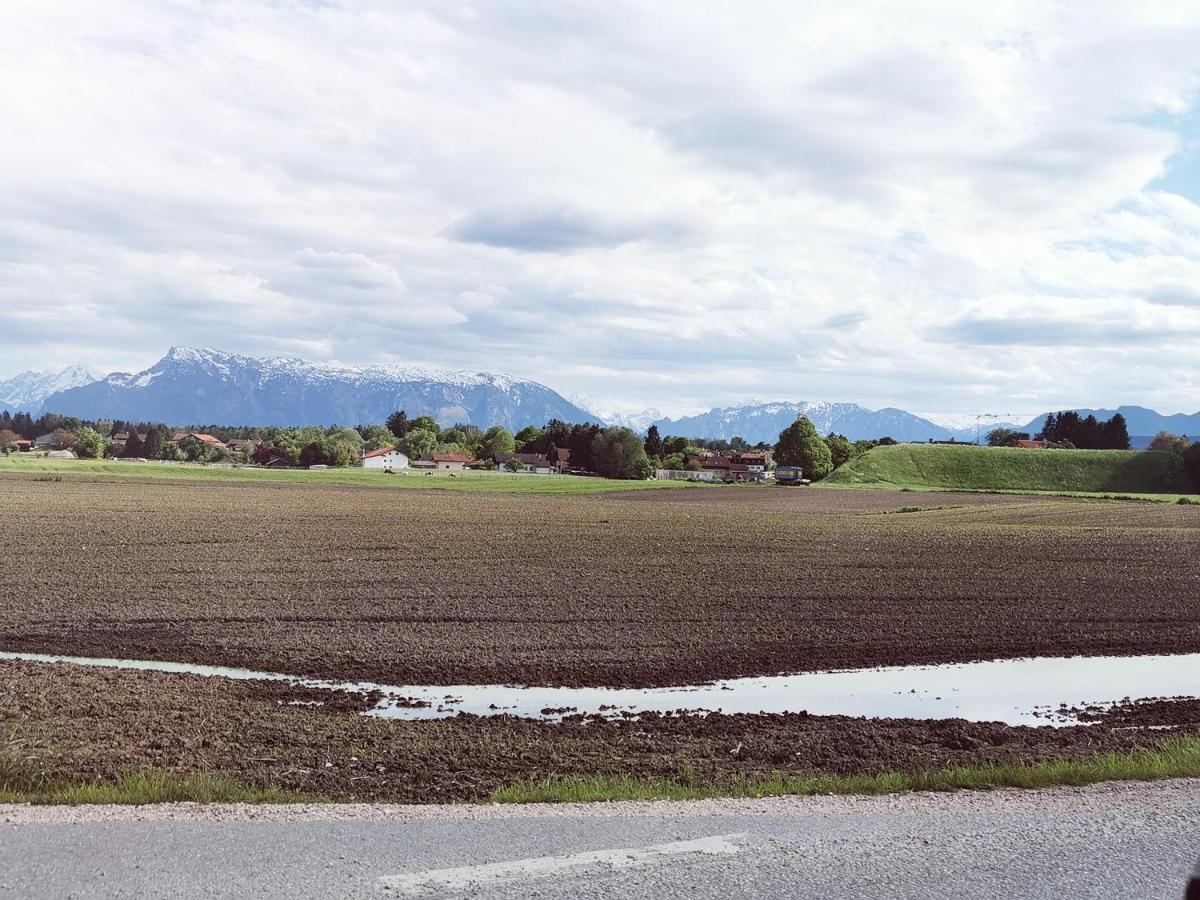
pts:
pixel 387 458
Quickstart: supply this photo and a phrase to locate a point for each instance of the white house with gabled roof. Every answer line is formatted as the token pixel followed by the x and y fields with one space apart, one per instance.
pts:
pixel 387 458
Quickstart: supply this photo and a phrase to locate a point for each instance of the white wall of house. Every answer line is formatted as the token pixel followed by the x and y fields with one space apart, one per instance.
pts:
pixel 392 460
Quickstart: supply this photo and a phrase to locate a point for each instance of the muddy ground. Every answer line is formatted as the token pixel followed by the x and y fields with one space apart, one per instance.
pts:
pixel 635 589
pixel 88 723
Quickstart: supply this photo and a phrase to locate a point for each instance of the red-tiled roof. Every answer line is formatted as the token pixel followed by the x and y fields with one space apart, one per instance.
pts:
pixel 449 457
pixel 382 451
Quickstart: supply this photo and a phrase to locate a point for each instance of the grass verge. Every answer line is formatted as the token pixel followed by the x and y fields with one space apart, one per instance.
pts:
pixel 1174 758
pixel 22 780
pixel 42 469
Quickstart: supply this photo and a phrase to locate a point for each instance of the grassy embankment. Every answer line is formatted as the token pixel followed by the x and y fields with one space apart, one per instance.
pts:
pixel 32 465
pixel 23 782
pixel 1174 758
pixel 1147 475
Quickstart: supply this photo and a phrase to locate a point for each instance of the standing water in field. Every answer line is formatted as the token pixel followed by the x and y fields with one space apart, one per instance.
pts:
pixel 1014 691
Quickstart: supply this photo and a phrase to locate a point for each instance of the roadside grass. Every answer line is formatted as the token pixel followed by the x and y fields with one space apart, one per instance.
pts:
pixel 1174 758
pixel 42 469
pixel 23 782
pixel 1114 474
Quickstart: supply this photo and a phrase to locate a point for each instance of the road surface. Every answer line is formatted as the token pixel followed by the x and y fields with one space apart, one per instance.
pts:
pixel 1124 840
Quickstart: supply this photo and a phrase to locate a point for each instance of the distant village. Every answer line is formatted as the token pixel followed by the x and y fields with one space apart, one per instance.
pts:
pixel 420 444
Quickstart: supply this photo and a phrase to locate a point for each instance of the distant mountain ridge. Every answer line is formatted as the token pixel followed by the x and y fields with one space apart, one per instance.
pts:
pixel 763 421
pixel 27 391
pixel 196 386
pixel 203 386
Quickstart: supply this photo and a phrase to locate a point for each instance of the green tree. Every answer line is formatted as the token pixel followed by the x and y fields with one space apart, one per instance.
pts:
pixel 152 446
pixel 497 440
pixel 673 461
pixel 515 465
pixel 89 444
pixel 418 442
pixel 427 423
pixel 171 452
pixel 378 436
pixel 397 423
pixel 1191 464
pixel 800 445
pixel 841 451
pixel 653 442
pixel 1172 443
pixel 133 445
pixel 194 450
pixel 530 434
pixel 468 438
pixel 620 453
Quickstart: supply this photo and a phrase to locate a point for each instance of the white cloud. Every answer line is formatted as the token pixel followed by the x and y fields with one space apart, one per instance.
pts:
pixel 935 205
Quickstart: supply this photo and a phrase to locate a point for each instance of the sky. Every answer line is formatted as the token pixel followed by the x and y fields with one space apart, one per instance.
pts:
pixel 945 207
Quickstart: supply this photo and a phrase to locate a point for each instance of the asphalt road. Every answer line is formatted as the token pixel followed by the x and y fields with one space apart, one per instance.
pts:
pixel 1132 840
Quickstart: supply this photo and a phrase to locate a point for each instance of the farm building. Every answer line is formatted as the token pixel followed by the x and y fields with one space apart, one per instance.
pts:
pixel 61 454
pixel 180 436
pixel 387 458
pixel 538 463
pixel 561 457
pixel 1032 445
pixel 755 461
pixel 453 462
pixel 57 440
pixel 725 469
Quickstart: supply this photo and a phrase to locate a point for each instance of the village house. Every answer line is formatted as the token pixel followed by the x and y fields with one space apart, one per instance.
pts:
pixel 389 459
pixel 119 440
pixel 23 446
pixel 451 462
pixel 537 463
pixel 755 461
pixel 1032 445
pixel 243 445
pixel 180 436
pixel 562 459
pixel 724 468
pixel 56 440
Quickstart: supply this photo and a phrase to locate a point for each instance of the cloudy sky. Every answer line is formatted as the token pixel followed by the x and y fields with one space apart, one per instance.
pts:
pixel 674 204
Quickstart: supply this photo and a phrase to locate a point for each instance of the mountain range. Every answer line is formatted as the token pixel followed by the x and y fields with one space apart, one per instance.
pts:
pixel 27 391
pixel 197 386
pixel 192 386
pixel 763 421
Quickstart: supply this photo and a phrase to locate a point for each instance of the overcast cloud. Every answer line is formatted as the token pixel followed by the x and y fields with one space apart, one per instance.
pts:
pixel 678 204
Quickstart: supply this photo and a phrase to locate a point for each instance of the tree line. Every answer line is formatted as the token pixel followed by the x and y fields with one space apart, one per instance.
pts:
pixel 1068 430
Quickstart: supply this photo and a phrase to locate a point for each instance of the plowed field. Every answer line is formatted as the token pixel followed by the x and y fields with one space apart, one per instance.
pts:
pixel 644 588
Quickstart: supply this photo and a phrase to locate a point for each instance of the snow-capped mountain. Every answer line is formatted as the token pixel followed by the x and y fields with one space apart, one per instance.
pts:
pixel 203 386
pixel 763 421
pixel 27 391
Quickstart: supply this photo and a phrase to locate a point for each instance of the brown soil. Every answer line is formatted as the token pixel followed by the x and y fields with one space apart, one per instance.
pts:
pixel 91 723
pixel 1151 712
pixel 645 588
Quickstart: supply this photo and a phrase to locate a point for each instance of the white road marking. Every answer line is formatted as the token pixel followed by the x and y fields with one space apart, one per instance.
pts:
pixel 461 878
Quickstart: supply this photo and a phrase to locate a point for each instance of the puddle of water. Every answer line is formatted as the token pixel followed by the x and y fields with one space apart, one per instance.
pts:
pixel 1016 691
